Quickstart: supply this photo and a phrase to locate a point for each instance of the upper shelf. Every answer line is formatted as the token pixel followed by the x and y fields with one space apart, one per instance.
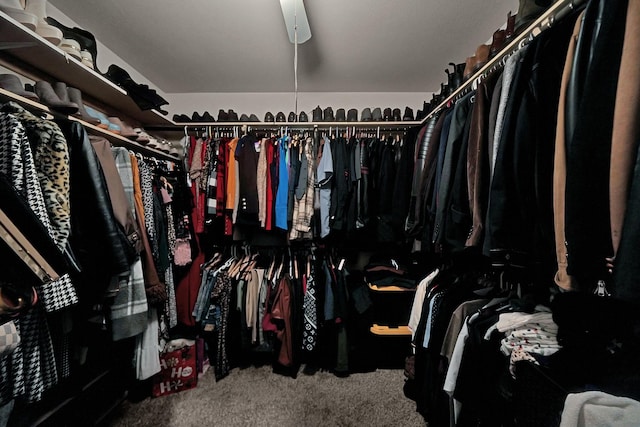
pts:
pixel 94 130
pixel 17 41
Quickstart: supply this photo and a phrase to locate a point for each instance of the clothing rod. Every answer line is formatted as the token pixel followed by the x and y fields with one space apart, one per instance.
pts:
pixel 295 125
pixel 555 12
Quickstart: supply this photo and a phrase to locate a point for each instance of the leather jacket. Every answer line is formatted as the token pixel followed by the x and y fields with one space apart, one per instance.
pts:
pixel 100 245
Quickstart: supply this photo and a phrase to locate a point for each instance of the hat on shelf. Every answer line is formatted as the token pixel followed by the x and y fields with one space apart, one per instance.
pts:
pixel 49 97
pixel 12 83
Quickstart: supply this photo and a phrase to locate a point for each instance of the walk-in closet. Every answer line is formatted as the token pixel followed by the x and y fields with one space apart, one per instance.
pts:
pixel 319 213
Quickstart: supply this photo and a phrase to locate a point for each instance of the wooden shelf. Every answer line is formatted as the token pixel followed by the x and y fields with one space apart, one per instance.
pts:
pixel 390 331
pixel 18 42
pixel 117 140
pixel 377 288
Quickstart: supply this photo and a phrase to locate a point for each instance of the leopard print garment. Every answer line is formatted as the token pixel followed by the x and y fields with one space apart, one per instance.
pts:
pixel 51 156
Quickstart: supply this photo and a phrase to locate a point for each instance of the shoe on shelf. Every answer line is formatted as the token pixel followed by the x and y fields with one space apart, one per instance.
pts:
pixel 71 47
pixel 196 117
pixel 16 11
pixel 317 114
pixel 43 29
pixel 253 118
pixel 181 118
pixel 365 116
pixel 233 116
pixel 376 114
pixel 302 117
pixel 143 137
pixel 173 151
pixel 74 95
pixel 12 83
pixel 387 115
pixel 328 115
pixel 49 97
pixel 268 117
pixel 352 115
pixel 153 143
pixel 86 42
pixel 223 116
pixel 397 117
pixel 408 114
pixel 125 130
pixel 208 117
pixel 280 118
pixel 244 118
pixel 292 117
pixel 340 115
pixel 103 120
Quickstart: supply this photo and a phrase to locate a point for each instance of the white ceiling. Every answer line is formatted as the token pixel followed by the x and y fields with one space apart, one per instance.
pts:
pixel 242 46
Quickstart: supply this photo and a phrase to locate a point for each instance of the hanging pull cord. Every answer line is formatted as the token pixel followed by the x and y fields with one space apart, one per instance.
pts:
pixel 295 58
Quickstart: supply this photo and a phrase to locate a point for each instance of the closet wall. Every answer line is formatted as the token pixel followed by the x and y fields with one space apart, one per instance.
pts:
pixel 256 103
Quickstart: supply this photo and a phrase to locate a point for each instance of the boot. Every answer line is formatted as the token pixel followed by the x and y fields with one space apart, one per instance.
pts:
pixel 341 115
pixel 498 42
pixel 511 27
pixel 15 10
pixel 88 46
pixel 455 77
pixel 317 114
pixel 328 115
pixel 74 95
pixel 49 32
pixel 528 11
pixel 49 97
pixel 12 83
pixel 408 114
pixel 125 130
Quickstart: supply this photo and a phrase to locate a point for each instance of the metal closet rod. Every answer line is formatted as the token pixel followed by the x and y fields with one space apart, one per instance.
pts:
pixel 304 125
pixel 555 12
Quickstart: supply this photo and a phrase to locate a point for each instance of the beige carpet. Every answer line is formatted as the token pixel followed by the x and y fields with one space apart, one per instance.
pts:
pixel 258 397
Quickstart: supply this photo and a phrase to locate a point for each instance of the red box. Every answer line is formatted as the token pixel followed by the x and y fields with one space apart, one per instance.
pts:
pixel 178 372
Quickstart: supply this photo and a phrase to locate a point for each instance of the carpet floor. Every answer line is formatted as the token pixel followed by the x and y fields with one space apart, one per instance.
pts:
pixel 257 397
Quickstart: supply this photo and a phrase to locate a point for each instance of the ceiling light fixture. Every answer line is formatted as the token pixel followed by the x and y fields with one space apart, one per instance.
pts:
pixel 295 19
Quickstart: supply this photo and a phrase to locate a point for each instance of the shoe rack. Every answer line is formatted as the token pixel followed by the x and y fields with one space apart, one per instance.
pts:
pixel 28 54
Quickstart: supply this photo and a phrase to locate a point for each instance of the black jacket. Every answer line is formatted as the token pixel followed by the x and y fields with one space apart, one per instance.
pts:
pixel 101 247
